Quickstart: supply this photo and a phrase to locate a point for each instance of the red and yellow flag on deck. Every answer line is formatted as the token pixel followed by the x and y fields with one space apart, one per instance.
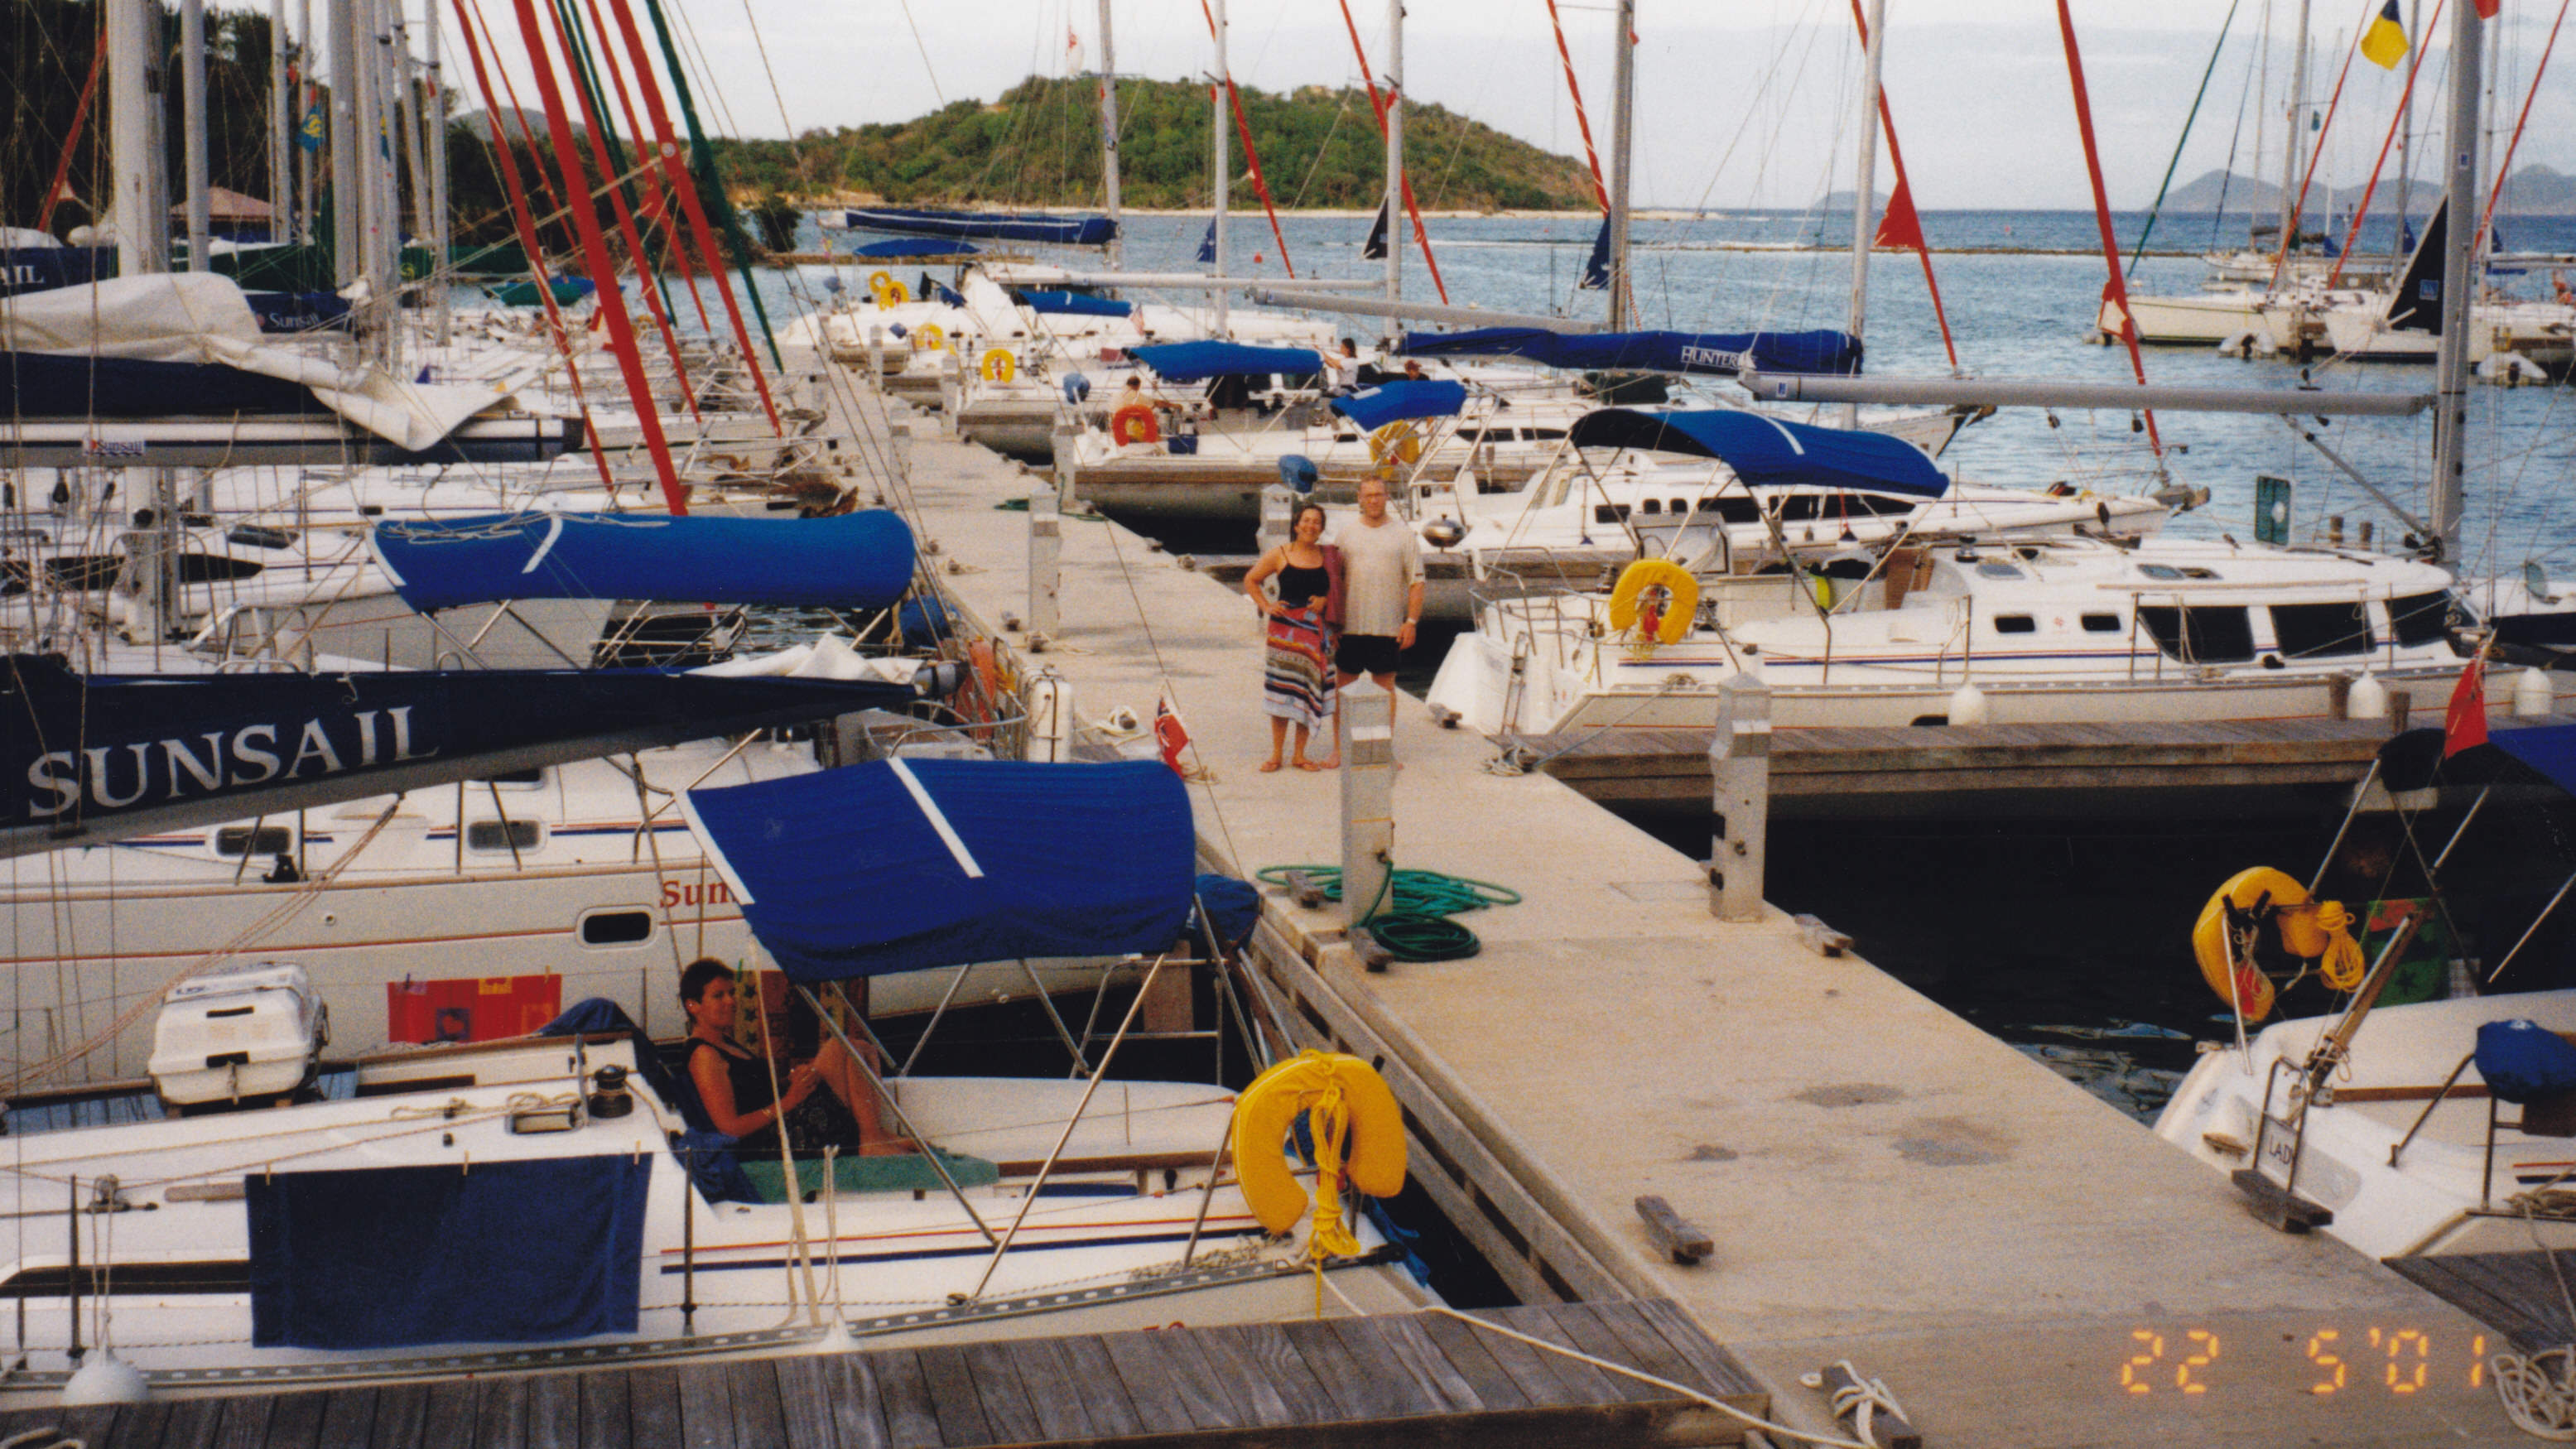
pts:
pixel 2465 722
pixel 2384 43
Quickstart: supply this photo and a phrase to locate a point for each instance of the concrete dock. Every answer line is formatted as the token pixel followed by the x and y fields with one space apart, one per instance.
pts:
pixel 2021 1264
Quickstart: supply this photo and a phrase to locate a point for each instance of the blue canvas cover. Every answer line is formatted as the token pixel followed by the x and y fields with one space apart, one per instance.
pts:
pixel 2521 1060
pixel 903 865
pixel 1198 361
pixel 1721 353
pixel 2550 749
pixel 1072 304
pixel 1766 450
pixel 1026 226
pixel 389 1257
pixel 855 561
pixel 1596 267
pixel 1395 402
pixel 898 249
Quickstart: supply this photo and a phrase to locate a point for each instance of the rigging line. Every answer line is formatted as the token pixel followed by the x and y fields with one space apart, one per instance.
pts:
pixel 2227 177
pixel 2352 227
pixel 2118 289
pixel 1251 153
pixel 915 27
pixel 1583 122
pixel 1421 236
pixel 1905 189
pixel 2153 211
pixel 2290 234
pixel 2504 166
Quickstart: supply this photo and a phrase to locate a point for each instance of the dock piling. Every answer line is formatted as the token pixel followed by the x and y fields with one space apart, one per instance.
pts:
pixel 1739 762
pixel 1368 797
pixel 1064 441
pixel 1046 546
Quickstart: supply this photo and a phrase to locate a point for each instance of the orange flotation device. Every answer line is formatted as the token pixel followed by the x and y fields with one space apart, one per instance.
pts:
pixel 2231 928
pixel 1134 423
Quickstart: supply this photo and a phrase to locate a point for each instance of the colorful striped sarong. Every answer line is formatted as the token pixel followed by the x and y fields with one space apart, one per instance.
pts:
pixel 1297 670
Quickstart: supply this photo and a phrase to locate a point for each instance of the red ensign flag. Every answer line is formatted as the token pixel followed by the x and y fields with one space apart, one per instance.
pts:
pixel 2465 722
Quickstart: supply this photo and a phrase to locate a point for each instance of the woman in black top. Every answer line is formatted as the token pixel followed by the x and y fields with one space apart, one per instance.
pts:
pixel 744 1098
pixel 1297 671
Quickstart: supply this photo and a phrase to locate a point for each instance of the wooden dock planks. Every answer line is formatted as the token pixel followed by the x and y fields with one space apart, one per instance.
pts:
pixel 1398 1379
pixel 2516 1294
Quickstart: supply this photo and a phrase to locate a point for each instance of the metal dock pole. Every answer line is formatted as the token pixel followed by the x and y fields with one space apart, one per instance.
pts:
pixel 1368 797
pixel 1739 761
pixel 1046 548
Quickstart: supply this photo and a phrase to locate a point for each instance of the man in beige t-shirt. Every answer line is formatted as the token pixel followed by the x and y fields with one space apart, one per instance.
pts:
pixel 1381 595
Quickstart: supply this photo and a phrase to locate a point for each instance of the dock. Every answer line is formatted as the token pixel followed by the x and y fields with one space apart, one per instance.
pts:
pixel 1387 1380
pixel 1882 1183
pixel 2207 770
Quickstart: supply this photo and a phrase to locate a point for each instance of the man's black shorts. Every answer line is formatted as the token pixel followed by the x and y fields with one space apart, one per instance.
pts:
pixel 1366 654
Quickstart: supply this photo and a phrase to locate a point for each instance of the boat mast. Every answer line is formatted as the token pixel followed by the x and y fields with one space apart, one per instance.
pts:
pixel 1623 106
pixel 2451 363
pixel 281 176
pixel 433 105
pixel 2290 136
pixel 1865 179
pixel 192 116
pixel 1109 140
pixel 341 15
pixel 1222 130
pixel 302 105
pixel 1394 203
pixel 2405 146
pixel 141 207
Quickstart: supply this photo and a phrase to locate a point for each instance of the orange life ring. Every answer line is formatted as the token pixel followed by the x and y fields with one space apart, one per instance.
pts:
pixel 1134 423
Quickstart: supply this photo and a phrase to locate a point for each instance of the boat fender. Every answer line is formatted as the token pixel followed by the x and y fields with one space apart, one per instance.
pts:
pixel 999 365
pixel 2369 699
pixel 2224 939
pixel 1358 1135
pixel 1656 573
pixel 1134 423
pixel 1967 705
pixel 2532 695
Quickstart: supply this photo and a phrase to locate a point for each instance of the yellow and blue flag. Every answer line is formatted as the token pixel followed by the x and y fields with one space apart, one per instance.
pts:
pixel 309 135
pixel 2384 43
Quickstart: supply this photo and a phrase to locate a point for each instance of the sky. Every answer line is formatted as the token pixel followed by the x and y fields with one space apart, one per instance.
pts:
pixel 1740 103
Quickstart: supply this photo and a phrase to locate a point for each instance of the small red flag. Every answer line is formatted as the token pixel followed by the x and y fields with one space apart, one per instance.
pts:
pixel 1900 229
pixel 1170 735
pixel 2488 9
pixel 2465 722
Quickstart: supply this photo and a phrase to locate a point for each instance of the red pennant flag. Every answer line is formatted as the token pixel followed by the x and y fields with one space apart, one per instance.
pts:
pixel 1170 735
pixel 2465 723
pixel 1900 229
pixel 2488 9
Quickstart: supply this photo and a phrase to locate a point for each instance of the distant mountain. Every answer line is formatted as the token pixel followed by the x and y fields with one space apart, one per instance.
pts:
pixel 1039 145
pixel 2532 191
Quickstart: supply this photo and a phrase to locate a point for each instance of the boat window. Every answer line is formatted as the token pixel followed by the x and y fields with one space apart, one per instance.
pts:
pixel 2200 636
pixel 1881 505
pixel 2310 631
pixel 1805 508
pixel 533 775
pixel 237 840
pixel 2200 573
pixel 2160 571
pixel 1731 508
pixel 2419 618
pixel 1651 505
pixel 1610 513
pixel 1542 435
pixel 504 835
pixel 1679 505
pixel 81 572
pixel 616 928
pixel 2101 623
pixel 2016 624
pixel 212 568
pixel 1998 571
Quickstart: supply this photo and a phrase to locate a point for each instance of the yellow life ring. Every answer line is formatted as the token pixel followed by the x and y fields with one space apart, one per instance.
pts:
pixel 1400 441
pixel 1358 1134
pixel 2224 938
pixel 1656 573
pixel 895 295
pixel 928 337
pixel 881 286
pixel 999 365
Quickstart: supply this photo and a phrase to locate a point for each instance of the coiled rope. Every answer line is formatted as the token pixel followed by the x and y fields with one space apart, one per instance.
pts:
pixel 1410 916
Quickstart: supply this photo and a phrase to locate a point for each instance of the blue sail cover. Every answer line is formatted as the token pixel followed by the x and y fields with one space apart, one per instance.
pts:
pixel 1396 402
pixel 903 865
pixel 1596 267
pixel 1025 226
pixel 897 249
pixel 854 561
pixel 1766 450
pixel 534 1251
pixel 1198 361
pixel 100 757
pixel 1720 353
pixel 2549 749
pixel 1071 304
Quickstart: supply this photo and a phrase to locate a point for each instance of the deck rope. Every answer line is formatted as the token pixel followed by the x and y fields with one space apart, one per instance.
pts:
pixel 1861 1401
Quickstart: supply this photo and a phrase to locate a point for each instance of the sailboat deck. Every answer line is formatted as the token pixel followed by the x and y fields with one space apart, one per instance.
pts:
pixel 1390 1380
pixel 2521 1295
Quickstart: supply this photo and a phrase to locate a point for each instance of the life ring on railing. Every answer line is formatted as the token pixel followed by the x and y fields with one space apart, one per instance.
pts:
pixel 1358 1135
pixel 1400 442
pixel 1629 604
pixel 881 286
pixel 1134 423
pixel 978 700
pixel 928 337
pixel 2231 926
pixel 999 365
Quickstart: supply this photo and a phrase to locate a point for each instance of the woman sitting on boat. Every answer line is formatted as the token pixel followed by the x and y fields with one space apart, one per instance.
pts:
pixel 1296 674
pixel 741 1090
